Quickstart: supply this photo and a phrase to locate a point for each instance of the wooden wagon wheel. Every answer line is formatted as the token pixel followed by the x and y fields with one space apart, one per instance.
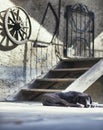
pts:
pixel 5 43
pixel 17 25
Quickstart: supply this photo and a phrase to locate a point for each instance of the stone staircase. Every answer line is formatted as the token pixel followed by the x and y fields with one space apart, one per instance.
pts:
pixel 57 79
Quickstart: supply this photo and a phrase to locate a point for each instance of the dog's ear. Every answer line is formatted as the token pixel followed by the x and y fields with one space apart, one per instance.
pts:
pixel 81 99
pixel 90 99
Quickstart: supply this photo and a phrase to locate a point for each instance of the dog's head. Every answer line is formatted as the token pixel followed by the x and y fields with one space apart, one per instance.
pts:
pixel 84 99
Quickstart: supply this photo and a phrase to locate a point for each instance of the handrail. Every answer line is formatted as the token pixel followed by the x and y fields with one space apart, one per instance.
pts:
pixel 45 57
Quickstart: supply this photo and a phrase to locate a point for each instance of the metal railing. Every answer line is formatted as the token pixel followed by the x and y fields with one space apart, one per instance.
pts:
pixel 44 57
pixel 47 54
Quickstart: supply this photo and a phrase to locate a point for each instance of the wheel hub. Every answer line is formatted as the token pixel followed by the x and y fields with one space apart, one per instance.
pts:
pixel 17 26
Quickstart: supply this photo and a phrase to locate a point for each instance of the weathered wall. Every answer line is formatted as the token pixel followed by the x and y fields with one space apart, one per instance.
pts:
pixel 96 91
pixel 36 9
pixel 17 66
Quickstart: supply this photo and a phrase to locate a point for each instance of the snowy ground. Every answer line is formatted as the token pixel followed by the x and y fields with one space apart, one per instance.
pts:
pixel 34 116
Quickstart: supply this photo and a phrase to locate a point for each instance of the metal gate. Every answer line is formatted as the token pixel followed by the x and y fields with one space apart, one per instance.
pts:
pixel 79 31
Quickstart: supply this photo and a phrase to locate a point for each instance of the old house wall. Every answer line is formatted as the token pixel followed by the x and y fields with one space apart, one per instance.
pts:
pixel 17 66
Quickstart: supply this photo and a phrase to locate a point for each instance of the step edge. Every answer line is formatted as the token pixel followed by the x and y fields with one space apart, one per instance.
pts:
pixel 81 59
pixel 59 79
pixel 71 69
pixel 42 90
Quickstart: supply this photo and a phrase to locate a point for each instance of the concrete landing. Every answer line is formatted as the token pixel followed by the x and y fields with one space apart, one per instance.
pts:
pixel 34 116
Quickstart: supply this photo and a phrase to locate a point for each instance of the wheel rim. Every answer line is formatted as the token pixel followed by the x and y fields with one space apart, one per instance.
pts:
pixel 5 43
pixel 17 25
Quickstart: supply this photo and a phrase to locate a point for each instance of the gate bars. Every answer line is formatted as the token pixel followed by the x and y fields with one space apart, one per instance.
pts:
pixel 79 38
pixel 79 31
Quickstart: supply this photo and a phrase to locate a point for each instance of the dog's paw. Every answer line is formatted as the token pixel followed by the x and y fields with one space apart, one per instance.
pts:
pixel 80 105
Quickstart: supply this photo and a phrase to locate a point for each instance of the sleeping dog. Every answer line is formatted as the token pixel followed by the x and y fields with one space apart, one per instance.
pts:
pixel 68 99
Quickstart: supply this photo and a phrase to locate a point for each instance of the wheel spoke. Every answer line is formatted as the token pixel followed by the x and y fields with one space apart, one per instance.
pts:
pixel 1 17
pixel 6 45
pixel 7 42
pixel 1 41
pixel 13 15
pixel 11 20
pixel 1 28
pixel 16 35
pixel 17 27
pixel 12 32
pixel 2 33
pixel 25 27
pixel 23 32
pixel 18 14
pixel 22 38
pixel 10 25
pixel 1 24
pixel 10 29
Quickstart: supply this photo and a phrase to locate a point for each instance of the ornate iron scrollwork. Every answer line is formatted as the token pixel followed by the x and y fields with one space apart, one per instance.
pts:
pixel 79 30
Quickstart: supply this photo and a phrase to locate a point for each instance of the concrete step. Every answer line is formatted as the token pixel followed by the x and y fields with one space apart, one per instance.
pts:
pixel 41 90
pixel 56 80
pixel 34 94
pixel 70 69
pixel 82 59
pixel 42 86
pixel 63 75
pixel 66 72
pixel 52 83
pixel 77 62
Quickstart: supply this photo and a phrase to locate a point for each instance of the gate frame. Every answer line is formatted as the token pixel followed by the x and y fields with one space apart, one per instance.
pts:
pixel 79 8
